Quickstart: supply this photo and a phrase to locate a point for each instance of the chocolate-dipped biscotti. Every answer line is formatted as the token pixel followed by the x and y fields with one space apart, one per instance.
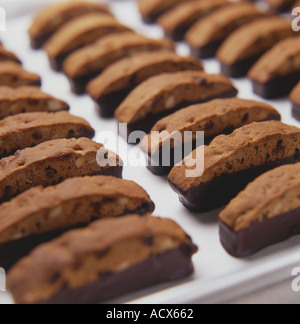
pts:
pixel 178 20
pixel 112 86
pixel 295 99
pixel 13 75
pixel 77 33
pixel 220 116
pixel 278 71
pixel 40 214
pixel 88 62
pixel 245 46
pixel 28 99
pixel 166 93
pixel 51 162
pixel 53 17
pixel 265 213
pixel 103 261
pixel 6 55
pixel 206 36
pixel 231 162
pixel 27 130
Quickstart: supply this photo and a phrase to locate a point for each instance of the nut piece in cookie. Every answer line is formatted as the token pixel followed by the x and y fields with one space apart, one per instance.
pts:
pixel 53 17
pixel 107 259
pixel 295 99
pixel 164 94
pixel 6 55
pixel 231 162
pixel 52 162
pixel 40 214
pixel 88 62
pixel 206 36
pixel 13 75
pixel 278 71
pixel 265 213
pixel 178 20
pixel 28 99
pixel 152 9
pixel 77 33
pixel 112 86
pixel 245 46
pixel 220 116
pixel 30 129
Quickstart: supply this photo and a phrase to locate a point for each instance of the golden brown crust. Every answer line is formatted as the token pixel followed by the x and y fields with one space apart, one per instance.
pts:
pixel 28 99
pixel 13 75
pixel 254 39
pixel 131 71
pixel 81 31
pixel 154 8
pixel 53 17
pixel 295 95
pixel 188 12
pixel 72 202
pixel 50 163
pixel 99 55
pixel 221 23
pixel 30 129
pixel 272 194
pixel 283 59
pixel 77 258
pixel 247 147
pixel 170 89
pixel 214 118
pixel 6 55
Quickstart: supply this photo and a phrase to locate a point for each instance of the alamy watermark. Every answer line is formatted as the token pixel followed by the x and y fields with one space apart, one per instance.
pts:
pixel 296 21
pixel 296 281
pixel 2 280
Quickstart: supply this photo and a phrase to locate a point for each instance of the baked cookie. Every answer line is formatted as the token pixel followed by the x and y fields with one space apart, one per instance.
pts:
pixel 280 5
pixel 220 116
pixel 77 33
pixel 245 46
pixel 278 71
pixel 112 86
pixel 53 17
pixel 6 55
pixel 40 214
pixel 178 20
pixel 13 75
pixel 27 130
pixel 265 213
pixel 166 93
pixel 152 9
pixel 206 36
pixel 295 98
pixel 52 162
pixel 103 261
pixel 232 161
pixel 28 99
pixel 88 62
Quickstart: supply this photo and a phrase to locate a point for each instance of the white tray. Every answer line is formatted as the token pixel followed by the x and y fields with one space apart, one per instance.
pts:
pixel 218 277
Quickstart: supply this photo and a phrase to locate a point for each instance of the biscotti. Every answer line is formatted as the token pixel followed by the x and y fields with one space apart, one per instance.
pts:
pixel 52 162
pixel 27 130
pixel 166 93
pixel 6 55
pixel 295 99
pixel 152 9
pixel 77 33
pixel 41 214
pixel 28 99
pixel 220 116
pixel 53 17
pixel 278 71
pixel 178 20
pixel 231 162
pixel 265 213
pixel 280 5
pixel 13 75
pixel 103 261
pixel 245 46
pixel 87 63
pixel 206 36
pixel 116 82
